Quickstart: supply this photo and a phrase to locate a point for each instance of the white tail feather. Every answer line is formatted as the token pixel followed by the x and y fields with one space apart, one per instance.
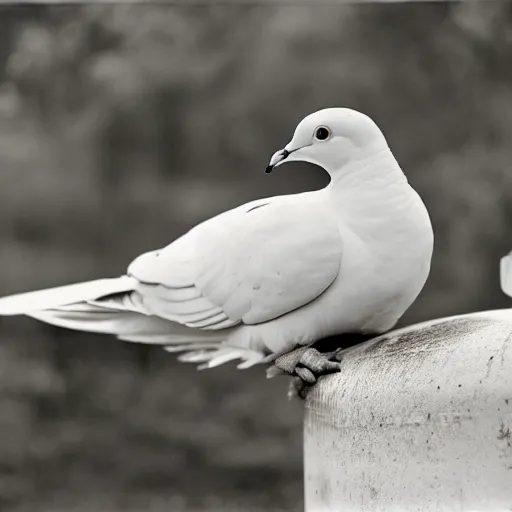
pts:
pixel 108 306
pixel 25 303
pixel 126 325
pixel 92 318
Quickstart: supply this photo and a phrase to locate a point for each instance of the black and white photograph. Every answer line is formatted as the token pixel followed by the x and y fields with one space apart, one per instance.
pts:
pixel 256 256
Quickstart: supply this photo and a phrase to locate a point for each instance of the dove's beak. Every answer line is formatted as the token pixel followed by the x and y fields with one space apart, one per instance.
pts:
pixel 280 156
pixel 277 158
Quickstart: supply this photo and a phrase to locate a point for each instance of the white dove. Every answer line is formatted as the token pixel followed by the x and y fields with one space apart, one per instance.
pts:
pixel 264 281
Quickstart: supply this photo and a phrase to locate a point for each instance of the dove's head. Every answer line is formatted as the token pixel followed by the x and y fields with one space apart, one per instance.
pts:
pixel 332 138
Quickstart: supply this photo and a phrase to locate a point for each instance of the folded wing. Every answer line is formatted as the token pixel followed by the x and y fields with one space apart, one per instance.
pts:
pixel 246 268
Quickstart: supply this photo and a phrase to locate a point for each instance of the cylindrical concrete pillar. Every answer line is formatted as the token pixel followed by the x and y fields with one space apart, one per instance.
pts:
pixel 419 419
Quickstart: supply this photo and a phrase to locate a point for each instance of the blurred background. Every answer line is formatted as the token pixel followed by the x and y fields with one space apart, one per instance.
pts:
pixel 122 126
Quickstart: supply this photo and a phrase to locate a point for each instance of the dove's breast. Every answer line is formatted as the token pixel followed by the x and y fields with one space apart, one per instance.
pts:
pixel 386 262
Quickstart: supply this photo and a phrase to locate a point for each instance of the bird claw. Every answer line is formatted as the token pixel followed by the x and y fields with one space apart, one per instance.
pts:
pixel 305 365
pixel 319 363
pixel 297 389
pixel 306 375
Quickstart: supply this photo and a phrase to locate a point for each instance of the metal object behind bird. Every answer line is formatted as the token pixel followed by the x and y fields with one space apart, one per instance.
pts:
pixel 418 419
pixel 506 274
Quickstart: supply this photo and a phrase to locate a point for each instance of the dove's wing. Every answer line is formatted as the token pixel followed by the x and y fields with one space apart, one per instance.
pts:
pixel 249 265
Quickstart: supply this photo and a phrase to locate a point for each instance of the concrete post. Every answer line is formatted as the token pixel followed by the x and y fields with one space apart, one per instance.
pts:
pixel 419 419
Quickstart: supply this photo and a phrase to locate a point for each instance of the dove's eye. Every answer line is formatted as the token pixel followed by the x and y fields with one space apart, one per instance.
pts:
pixel 322 133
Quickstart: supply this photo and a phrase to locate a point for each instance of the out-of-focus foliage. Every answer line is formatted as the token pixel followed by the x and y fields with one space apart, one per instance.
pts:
pixel 123 126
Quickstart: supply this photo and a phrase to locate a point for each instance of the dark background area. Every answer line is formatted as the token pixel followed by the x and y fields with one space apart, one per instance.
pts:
pixel 123 126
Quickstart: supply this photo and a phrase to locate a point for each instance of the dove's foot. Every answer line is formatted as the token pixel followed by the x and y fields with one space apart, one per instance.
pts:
pixel 305 365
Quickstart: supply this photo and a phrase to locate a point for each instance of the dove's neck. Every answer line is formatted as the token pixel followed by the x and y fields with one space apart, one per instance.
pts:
pixel 370 191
